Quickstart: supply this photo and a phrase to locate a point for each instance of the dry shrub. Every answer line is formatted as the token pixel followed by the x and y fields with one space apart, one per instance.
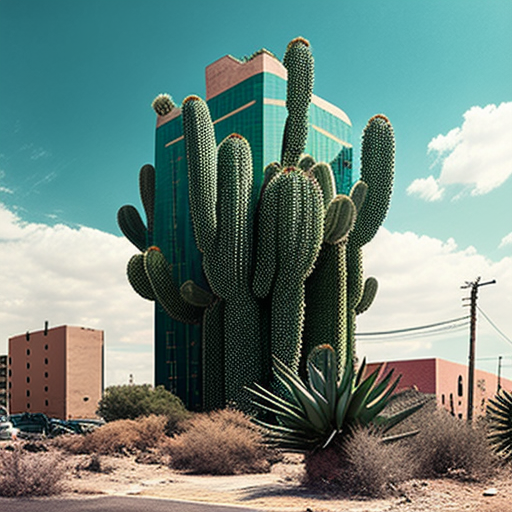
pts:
pixel 448 446
pixel 30 474
pixel 223 442
pixel 118 437
pixel 361 465
pixel 94 464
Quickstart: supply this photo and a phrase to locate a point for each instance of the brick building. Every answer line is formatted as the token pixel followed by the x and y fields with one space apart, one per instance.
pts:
pixel 58 372
pixel 448 381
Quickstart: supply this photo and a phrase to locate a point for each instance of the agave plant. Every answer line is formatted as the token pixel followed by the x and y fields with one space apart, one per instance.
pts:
pixel 317 411
pixel 499 411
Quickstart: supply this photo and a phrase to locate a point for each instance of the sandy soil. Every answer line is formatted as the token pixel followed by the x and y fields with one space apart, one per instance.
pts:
pixel 279 490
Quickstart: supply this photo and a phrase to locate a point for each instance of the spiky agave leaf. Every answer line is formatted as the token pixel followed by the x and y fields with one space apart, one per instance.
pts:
pixel 323 407
pixel 499 411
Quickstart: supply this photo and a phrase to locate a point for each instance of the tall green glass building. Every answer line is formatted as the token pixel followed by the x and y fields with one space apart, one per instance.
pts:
pixel 246 98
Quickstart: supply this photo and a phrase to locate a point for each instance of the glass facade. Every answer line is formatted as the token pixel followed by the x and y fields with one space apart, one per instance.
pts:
pixel 254 108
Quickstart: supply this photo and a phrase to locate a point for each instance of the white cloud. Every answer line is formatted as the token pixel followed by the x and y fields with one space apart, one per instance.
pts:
pixel 506 240
pixel 476 155
pixel 76 277
pixel 420 281
pixel 427 188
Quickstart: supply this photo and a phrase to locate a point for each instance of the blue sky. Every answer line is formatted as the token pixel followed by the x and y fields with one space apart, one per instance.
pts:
pixel 77 82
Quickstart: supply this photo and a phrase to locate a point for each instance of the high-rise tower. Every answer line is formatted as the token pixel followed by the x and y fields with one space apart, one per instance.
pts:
pixel 246 98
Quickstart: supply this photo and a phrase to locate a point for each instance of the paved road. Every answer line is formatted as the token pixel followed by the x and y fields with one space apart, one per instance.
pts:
pixel 110 504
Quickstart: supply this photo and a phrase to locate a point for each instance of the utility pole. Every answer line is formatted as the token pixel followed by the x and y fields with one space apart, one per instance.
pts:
pixel 472 340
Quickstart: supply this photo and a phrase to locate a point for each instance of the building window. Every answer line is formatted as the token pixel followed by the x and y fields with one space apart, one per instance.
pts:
pixel 28 380
pixel 459 386
pixel 10 384
pixel 28 366
pixel 46 389
pixel 10 373
pixel 442 399
pixel 45 360
pixel 28 406
pixel 46 347
pixel 46 403
pixel 28 351
pixel 45 375
pixel 28 392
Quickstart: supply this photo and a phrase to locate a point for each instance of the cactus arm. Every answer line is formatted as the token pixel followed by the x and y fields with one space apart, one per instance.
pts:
pixel 377 169
pixel 195 295
pixel 322 172
pixel 266 255
pixel 165 289
pixel 369 292
pixel 339 219
pixel 138 278
pixel 299 237
pixel 228 264
pixel 202 170
pixel 326 288
pixel 132 226
pixel 358 194
pixel 299 63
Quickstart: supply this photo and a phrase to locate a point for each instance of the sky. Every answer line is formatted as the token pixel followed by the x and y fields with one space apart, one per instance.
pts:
pixel 76 125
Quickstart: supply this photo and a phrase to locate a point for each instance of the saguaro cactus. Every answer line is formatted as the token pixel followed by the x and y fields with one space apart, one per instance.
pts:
pixel 284 276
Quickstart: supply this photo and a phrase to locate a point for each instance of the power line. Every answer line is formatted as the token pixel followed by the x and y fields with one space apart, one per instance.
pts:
pixel 416 335
pixel 410 329
pixel 495 326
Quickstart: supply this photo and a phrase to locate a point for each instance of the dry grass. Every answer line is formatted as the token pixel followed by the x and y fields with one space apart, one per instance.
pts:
pixel 448 446
pixel 362 465
pixel 219 443
pixel 30 474
pixel 118 437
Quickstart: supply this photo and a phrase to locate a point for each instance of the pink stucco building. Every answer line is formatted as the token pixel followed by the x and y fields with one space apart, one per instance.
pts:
pixel 58 372
pixel 448 381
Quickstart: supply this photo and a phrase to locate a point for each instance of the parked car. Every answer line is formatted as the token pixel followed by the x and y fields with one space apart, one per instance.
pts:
pixel 7 429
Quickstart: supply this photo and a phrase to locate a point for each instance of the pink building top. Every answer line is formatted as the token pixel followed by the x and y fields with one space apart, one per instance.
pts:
pixel 226 72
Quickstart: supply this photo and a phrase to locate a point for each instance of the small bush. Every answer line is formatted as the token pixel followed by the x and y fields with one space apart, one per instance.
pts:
pixel 118 437
pixel 129 402
pixel 362 465
pixel 94 464
pixel 448 446
pixel 30 474
pixel 223 442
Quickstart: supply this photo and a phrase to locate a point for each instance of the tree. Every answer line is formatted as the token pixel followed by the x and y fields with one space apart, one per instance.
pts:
pixel 132 401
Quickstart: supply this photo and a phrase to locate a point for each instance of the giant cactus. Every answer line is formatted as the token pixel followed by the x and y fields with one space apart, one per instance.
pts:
pixel 285 275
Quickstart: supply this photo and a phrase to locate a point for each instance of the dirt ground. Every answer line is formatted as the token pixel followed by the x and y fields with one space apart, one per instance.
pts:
pixel 279 490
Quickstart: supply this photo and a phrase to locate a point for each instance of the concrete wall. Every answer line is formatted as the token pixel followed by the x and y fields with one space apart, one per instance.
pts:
pixel 448 381
pixel 84 376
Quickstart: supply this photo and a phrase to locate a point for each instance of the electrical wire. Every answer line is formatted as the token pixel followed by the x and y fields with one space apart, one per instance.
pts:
pixel 408 336
pixel 505 337
pixel 410 329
